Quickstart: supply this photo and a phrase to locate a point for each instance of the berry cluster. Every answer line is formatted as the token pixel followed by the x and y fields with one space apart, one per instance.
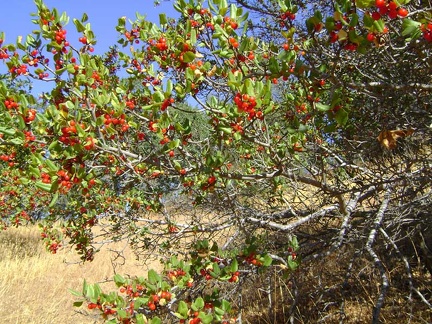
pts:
pixel 245 103
pixel 83 40
pixel 29 137
pixel 166 103
pixel 161 299
pixel 64 180
pixel 31 115
pixel 234 277
pixel 68 134
pixel 427 31
pixel 8 158
pixel 11 104
pixel 53 247
pixel 175 274
pixel 114 121
pixel 45 177
pixel 133 35
pixel 206 274
pixel 90 143
pixel 286 18
pixel 161 44
pixel 391 9
pixel 60 36
pixel 19 70
pixel 252 259
pixel 292 253
pixel 3 51
pixel 106 309
pixel 229 22
pixel 131 292
pixel 234 43
pixel 130 104
pixel 211 181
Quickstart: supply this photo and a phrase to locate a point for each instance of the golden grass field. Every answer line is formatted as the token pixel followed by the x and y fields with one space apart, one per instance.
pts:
pixel 34 284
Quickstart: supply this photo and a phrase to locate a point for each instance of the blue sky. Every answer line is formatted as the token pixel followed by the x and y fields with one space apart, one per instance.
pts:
pixel 16 20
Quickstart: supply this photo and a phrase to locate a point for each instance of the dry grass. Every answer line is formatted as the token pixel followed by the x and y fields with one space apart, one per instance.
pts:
pixel 319 292
pixel 34 285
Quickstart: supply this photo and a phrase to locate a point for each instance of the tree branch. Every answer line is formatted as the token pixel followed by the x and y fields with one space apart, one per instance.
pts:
pixel 289 227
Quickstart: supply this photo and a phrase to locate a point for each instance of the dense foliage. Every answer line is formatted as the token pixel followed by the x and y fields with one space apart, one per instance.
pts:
pixel 237 138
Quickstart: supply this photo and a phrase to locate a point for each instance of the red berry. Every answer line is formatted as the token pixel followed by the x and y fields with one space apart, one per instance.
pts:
pixel 376 15
pixel 393 6
pixel 152 306
pixel 380 3
pixel 402 12
pixel 370 37
pixel 392 14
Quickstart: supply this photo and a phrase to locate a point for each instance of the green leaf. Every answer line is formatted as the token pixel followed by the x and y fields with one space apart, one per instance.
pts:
pixel 153 277
pixel 234 265
pixel 79 26
pixel 43 186
pixel 54 199
pixel 354 20
pixel 163 19
pixel 119 280
pixel 174 144
pixel 17 141
pixel 223 7
pixel 155 320
pixel 341 117
pixel 140 319
pixel 78 303
pixel 292 264
pixel 51 166
pixel 227 130
pixel 168 89
pixel 7 131
pixel 226 306
pixel 182 309
pixel 21 122
pixel 410 27
pixel 379 25
pixel 322 107
pixel 70 68
pixel 193 36
pixel 267 260
pixel 75 293
pixel 274 65
pixel 330 23
pixel 205 318
pixel 294 243
pixel 216 270
pixel 24 181
pixel 219 311
pixel 55 146
pixel 198 304
pixel 188 57
pixel 90 293
pixel 363 4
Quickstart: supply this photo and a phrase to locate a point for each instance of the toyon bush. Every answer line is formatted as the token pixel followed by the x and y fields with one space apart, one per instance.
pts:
pixel 230 143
